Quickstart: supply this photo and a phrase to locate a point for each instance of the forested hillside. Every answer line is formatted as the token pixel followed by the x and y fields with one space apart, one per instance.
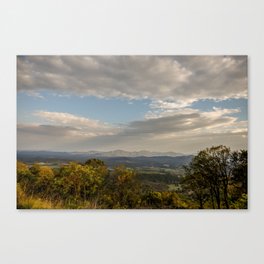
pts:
pixel 216 178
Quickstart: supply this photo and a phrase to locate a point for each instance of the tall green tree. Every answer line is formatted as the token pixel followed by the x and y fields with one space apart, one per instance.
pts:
pixel 195 186
pixel 212 171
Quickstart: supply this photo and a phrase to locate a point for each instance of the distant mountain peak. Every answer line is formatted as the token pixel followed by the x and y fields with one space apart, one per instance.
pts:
pixel 111 153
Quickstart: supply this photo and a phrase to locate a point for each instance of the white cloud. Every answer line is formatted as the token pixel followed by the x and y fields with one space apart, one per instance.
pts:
pixel 188 121
pixel 179 79
pixel 83 126
pixel 172 83
pixel 181 130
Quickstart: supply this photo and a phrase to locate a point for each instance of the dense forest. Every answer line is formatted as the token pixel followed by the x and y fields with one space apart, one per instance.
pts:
pixel 216 178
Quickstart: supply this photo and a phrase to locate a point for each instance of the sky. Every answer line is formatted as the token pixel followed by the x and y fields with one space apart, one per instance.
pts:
pixel 156 103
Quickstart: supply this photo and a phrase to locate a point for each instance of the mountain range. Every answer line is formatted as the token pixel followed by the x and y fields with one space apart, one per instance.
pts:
pixel 111 158
pixel 114 153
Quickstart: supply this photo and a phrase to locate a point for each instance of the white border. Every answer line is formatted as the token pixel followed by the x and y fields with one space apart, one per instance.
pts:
pixel 187 27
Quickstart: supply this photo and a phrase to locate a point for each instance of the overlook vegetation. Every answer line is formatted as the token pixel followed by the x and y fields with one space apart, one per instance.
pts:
pixel 216 178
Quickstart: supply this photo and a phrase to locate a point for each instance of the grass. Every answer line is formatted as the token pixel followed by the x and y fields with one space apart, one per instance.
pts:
pixel 31 202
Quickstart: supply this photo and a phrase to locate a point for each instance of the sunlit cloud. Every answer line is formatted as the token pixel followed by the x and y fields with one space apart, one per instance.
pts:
pixel 180 79
pixel 169 85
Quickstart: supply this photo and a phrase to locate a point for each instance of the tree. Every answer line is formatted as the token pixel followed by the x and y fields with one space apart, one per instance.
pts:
pixel 34 169
pixel 204 165
pixel 95 163
pixel 153 199
pixel 44 181
pixel 211 172
pixel 24 177
pixel 80 182
pixel 23 172
pixel 195 186
pixel 123 189
pixel 239 177
pixel 221 156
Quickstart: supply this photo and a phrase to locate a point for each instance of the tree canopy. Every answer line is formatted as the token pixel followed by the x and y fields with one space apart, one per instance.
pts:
pixel 216 178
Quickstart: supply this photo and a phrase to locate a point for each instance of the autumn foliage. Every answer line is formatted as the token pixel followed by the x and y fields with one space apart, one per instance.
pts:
pixel 216 178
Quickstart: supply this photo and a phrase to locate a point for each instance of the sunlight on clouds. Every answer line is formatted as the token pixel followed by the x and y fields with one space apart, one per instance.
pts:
pixel 174 126
pixel 181 79
pixel 170 84
pixel 84 126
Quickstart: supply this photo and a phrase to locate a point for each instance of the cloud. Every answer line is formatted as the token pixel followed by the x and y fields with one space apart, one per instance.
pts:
pixel 46 130
pixel 217 77
pixel 83 126
pixel 179 130
pixel 171 83
pixel 58 130
pixel 173 80
pixel 187 121
pixel 46 137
